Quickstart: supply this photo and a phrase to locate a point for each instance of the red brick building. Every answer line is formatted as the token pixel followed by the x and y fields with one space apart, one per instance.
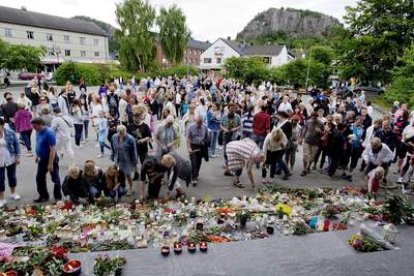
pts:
pixel 191 55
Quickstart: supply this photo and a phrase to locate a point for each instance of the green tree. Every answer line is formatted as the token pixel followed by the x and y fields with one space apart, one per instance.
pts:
pixel 377 34
pixel 322 54
pixel 174 33
pixel 137 49
pixel 402 86
pixel 17 57
pixel 249 70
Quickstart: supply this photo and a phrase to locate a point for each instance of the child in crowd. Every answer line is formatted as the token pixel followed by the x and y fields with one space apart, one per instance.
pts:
pixel 374 179
pixel 114 183
pixel 102 130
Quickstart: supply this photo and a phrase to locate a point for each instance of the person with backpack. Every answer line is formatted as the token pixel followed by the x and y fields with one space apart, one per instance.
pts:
pixel 113 102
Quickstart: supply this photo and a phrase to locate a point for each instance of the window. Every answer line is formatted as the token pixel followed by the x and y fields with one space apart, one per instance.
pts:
pixel 82 40
pixel 95 41
pixel 66 38
pixel 96 54
pixel 83 53
pixel 207 60
pixel 67 53
pixel 30 35
pixel 218 60
pixel 51 51
pixel 8 32
pixel 49 37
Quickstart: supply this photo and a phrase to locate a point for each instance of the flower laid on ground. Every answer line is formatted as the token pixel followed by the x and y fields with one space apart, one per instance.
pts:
pixel 360 243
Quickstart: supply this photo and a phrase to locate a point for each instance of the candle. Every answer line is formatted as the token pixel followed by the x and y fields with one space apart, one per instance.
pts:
pixel 165 251
pixel 203 246
pixel 191 247
pixel 178 248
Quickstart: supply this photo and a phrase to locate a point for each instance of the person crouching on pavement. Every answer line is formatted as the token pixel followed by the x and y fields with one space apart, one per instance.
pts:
pixel 243 153
pixel 74 185
pixel 178 167
pixel 114 183
pixel 153 171
pixel 93 178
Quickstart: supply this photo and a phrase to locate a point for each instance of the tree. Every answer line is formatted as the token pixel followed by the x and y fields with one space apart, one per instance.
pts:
pixel 402 87
pixel 322 54
pixel 377 34
pixel 17 57
pixel 137 49
pixel 174 33
pixel 247 69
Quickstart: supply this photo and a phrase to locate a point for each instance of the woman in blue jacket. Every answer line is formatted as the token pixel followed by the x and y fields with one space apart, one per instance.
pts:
pixel 213 118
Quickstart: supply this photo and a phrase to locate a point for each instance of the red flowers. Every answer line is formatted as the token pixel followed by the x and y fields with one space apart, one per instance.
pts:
pixel 58 252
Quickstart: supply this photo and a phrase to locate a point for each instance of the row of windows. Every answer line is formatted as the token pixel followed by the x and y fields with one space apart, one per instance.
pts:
pixel 191 61
pixel 68 53
pixel 209 60
pixel 195 52
pixel 8 32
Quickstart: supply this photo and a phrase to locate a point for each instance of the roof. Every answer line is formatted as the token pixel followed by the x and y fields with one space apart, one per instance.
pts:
pixel 40 20
pixel 197 44
pixel 246 50
pixel 268 50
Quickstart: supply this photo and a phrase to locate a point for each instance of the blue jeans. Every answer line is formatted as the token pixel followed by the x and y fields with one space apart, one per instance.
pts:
pixel 111 193
pixel 94 193
pixel 213 141
pixel 25 136
pixel 259 140
pixel 11 176
pixel 41 179
pixel 85 130
pixel 103 145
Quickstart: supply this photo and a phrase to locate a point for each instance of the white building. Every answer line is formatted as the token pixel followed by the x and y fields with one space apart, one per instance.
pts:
pixel 213 58
pixel 65 39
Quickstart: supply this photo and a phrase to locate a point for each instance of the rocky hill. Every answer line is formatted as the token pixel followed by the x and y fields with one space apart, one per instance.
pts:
pixel 298 23
pixel 107 28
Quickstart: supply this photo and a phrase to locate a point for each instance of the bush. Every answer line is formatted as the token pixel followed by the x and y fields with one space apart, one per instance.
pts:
pixel 74 72
pixel 180 71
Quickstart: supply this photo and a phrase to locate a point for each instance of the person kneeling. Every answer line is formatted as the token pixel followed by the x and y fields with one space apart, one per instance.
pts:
pixel 114 183
pixel 153 171
pixel 74 185
pixel 93 178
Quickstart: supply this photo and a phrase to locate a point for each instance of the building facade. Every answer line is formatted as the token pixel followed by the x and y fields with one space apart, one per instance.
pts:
pixel 191 55
pixel 214 57
pixel 65 39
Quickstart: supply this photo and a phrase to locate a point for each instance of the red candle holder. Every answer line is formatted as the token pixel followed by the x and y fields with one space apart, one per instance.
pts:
pixel 203 246
pixel 178 248
pixel 165 251
pixel 192 247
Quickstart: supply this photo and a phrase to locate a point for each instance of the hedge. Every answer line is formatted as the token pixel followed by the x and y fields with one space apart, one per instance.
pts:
pixel 95 74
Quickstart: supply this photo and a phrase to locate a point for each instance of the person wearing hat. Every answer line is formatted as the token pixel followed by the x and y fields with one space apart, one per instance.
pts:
pixel 9 159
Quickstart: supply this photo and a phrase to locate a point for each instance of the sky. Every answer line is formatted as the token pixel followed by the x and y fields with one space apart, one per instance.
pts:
pixel 207 19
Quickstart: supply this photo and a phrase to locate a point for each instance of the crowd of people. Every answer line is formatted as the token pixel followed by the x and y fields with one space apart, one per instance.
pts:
pixel 142 125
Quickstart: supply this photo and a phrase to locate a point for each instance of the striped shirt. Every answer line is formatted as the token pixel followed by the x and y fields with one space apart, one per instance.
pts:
pixel 240 152
pixel 247 123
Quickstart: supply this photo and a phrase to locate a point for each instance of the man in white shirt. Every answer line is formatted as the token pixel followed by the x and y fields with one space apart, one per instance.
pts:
pixel 285 106
pixel 62 125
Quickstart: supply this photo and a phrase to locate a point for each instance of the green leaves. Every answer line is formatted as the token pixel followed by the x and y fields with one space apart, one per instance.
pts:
pixel 174 33
pixel 17 57
pixel 136 19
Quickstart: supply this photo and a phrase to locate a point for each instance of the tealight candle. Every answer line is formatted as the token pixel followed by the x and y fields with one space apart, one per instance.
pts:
pixel 203 246
pixel 178 248
pixel 165 251
pixel 191 247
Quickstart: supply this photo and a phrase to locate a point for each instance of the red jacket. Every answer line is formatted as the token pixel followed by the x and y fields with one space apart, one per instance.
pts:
pixel 261 124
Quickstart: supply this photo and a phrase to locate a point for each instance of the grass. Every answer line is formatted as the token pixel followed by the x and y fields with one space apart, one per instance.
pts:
pixel 381 102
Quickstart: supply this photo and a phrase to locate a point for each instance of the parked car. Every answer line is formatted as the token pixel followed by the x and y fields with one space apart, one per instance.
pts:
pixel 343 92
pixel 370 89
pixel 29 75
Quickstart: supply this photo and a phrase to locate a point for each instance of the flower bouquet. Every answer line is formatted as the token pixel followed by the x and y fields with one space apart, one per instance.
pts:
pixel 106 266
pixel 362 244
